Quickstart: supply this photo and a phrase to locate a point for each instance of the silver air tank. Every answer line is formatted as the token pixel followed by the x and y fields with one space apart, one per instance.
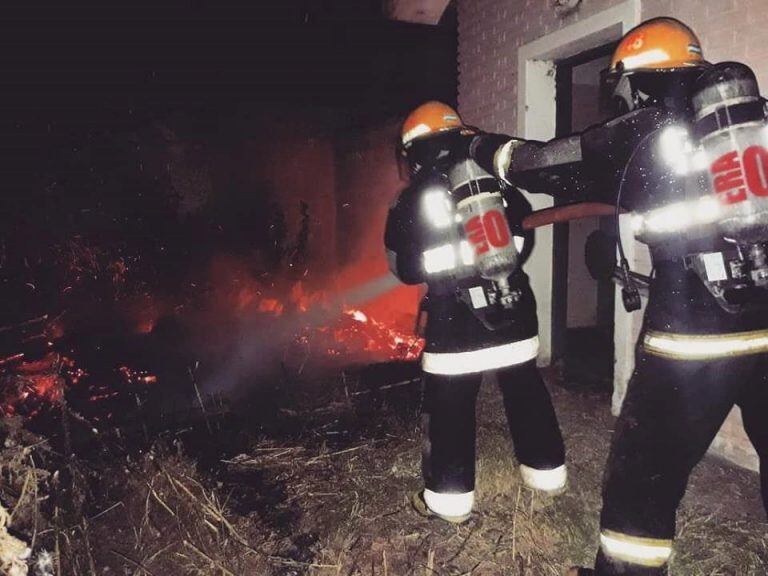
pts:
pixel 483 217
pixel 731 128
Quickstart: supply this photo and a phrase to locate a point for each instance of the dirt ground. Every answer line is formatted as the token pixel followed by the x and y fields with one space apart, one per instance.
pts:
pixel 317 480
pixel 362 523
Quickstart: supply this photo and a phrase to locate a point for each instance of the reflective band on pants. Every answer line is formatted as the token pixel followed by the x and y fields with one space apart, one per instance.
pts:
pixel 450 505
pixel 544 480
pixel 705 347
pixel 455 363
pixel 650 552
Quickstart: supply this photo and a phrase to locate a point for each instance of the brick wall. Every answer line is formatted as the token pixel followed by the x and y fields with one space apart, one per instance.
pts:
pixel 491 31
pixel 728 29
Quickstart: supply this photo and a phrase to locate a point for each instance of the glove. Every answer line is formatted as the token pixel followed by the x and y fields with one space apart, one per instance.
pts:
pixel 493 152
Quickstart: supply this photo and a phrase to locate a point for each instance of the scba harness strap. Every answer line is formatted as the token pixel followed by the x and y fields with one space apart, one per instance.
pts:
pixel 726 116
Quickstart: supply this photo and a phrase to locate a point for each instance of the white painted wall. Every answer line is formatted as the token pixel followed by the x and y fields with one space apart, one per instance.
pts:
pixel 627 325
pixel 538 123
pixel 536 114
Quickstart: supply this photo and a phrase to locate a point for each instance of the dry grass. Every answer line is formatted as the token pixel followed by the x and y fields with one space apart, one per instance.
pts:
pixel 333 500
pixel 355 502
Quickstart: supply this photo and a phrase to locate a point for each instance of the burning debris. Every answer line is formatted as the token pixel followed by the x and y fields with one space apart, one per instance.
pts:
pixel 31 384
pixel 378 339
pixel 305 321
pixel 124 330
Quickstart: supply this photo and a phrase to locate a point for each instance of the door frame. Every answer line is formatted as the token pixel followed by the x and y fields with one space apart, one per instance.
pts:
pixel 537 116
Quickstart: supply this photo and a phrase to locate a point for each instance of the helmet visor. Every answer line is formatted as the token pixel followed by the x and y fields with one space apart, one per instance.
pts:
pixel 669 88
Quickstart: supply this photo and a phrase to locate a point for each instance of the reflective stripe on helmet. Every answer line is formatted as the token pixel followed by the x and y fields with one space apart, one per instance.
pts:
pixel 705 347
pixel 450 505
pixel 455 363
pixel 544 480
pixel 415 132
pixel 645 59
pixel 651 552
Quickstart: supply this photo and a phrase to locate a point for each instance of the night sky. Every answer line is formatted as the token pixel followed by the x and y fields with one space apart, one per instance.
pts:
pixel 73 72
pixel 337 53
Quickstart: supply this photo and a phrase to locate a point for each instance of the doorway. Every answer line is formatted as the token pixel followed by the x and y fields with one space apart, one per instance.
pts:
pixel 536 120
pixel 583 308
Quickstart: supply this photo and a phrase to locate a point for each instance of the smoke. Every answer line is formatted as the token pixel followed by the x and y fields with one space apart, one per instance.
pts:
pixel 367 291
pixel 263 344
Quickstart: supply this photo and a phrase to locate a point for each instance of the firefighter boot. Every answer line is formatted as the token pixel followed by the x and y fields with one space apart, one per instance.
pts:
pixel 606 567
pixel 419 504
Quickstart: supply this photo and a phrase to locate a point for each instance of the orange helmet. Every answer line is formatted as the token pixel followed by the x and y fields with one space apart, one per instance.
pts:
pixel 658 45
pixel 429 119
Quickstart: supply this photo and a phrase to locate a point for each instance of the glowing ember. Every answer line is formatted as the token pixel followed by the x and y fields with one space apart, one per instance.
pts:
pixel 145 326
pixel 137 376
pixel 358 315
pixel 358 332
pixel 31 385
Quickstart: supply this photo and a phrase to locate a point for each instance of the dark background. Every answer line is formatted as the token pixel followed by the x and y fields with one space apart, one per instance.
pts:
pixel 73 68
pixel 341 54
pixel 97 99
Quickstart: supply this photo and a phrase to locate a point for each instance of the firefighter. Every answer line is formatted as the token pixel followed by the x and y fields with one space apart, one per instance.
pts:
pixel 689 158
pixel 450 228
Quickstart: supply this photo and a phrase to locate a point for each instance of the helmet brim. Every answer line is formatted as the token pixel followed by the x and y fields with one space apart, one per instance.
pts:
pixel 446 130
pixel 619 71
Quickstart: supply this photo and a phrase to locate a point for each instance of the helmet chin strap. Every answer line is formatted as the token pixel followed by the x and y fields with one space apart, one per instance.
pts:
pixel 642 100
pixel 625 96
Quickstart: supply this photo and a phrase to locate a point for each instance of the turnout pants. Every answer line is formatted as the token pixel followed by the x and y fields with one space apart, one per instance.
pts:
pixel 681 392
pixel 449 434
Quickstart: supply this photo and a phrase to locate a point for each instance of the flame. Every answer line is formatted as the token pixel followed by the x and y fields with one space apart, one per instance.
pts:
pixel 271 305
pixel 143 312
pixel 380 340
pixel 246 296
pixel 312 329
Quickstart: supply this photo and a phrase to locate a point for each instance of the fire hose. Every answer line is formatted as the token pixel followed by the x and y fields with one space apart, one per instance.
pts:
pixel 600 248
pixel 560 214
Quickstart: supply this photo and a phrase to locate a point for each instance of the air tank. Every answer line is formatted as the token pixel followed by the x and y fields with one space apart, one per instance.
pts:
pixel 483 216
pixel 731 129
